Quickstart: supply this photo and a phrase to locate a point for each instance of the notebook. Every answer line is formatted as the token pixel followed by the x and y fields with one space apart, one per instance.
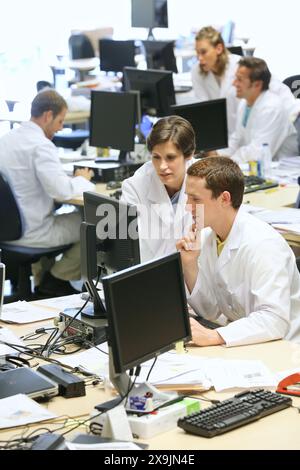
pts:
pixel 26 381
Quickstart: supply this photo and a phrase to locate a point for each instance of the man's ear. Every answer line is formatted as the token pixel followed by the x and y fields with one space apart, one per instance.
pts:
pixel 48 116
pixel 226 198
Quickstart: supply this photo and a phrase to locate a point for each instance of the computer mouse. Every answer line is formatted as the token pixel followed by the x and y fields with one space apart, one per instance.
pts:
pixel 113 185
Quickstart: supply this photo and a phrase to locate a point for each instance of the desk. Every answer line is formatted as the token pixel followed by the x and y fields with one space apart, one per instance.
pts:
pixel 71 118
pixel 278 431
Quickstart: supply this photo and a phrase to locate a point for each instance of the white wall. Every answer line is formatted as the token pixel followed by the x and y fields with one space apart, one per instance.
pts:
pixel 272 26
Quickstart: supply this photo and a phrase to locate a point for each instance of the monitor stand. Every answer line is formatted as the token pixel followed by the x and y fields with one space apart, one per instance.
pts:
pixel 123 384
pixel 150 35
pixel 121 158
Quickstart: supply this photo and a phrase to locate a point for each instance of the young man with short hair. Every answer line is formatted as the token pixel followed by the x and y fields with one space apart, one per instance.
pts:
pixel 243 272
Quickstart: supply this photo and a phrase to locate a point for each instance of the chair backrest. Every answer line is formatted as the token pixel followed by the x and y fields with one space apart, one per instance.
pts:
pixel 80 47
pixel 293 83
pixel 10 216
pixel 237 50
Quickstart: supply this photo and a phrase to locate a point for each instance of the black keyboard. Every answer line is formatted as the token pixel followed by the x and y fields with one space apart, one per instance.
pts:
pixel 242 409
pixel 256 183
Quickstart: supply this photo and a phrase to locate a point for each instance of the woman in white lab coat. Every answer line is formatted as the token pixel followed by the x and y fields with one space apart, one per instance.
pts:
pixel 158 187
pixel 213 75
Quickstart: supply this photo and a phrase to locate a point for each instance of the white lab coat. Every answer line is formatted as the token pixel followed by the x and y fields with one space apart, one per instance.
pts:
pixel 207 88
pixel 30 162
pixel 269 122
pixel 254 283
pixel 160 226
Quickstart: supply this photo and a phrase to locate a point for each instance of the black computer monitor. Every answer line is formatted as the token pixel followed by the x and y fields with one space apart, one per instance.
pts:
pixel 113 120
pixel 147 314
pixel 115 55
pixel 109 242
pixel 209 120
pixel 156 89
pixel 160 55
pixel 149 14
pixel 237 50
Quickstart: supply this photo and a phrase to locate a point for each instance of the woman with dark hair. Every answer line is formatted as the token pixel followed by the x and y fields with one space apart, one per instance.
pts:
pixel 158 187
pixel 213 75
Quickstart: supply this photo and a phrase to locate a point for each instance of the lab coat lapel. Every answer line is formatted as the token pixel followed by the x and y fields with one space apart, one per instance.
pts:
pixel 160 201
pixel 232 244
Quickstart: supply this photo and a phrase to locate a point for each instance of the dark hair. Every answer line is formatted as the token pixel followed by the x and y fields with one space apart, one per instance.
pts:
pixel 176 129
pixel 47 100
pixel 221 174
pixel 258 70
pixel 213 36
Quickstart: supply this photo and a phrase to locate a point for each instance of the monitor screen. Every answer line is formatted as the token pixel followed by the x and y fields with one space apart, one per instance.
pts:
pixel 113 119
pixel 209 120
pixel 160 55
pixel 149 13
pixel 237 50
pixel 115 55
pixel 156 89
pixel 117 241
pixel 152 318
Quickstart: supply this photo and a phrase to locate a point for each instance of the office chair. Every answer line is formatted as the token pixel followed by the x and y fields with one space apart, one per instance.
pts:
pixel 293 83
pixel 80 47
pixel 18 259
pixel 237 50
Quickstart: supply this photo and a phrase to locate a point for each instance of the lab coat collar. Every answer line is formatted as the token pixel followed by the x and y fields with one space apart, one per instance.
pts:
pixel 233 240
pixel 33 127
pixel 158 195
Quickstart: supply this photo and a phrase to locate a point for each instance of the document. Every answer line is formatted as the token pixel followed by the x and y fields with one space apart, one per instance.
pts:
pixel 60 303
pixel 23 312
pixel 20 410
pixel 7 336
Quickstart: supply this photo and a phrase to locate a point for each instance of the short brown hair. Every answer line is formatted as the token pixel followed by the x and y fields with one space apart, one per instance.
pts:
pixel 175 129
pixel 221 174
pixel 47 100
pixel 258 70
pixel 213 36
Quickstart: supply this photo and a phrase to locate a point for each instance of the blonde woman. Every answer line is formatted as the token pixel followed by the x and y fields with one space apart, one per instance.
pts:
pixel 213 75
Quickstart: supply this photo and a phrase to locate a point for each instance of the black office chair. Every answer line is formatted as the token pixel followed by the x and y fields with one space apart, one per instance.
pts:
pixel 18 259
pixel 293 83
pixel 237 50
pixel 80 47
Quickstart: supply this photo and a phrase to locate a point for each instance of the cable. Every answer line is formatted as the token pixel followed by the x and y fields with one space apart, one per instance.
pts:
pixel 152 367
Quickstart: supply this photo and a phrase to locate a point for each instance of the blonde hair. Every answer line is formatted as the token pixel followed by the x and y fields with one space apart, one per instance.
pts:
pixel 213 36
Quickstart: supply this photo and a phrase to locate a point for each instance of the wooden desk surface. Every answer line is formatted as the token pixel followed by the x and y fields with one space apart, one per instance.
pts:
pixel 278 431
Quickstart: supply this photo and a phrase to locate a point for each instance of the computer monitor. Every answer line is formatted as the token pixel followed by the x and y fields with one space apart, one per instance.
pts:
pixel 109 242
pixel 147 314
pixel 149 14
pixel 237 50
pixel 160 55
pixel 156 89
pixel 115 55
pixel 113 120
pixel 209 120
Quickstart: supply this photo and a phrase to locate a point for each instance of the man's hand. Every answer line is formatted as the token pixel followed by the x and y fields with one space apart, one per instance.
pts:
pixel 203 336
pixel 189 248
pixel 85 172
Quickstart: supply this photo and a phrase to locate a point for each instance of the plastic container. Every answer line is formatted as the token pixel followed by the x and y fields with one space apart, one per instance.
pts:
pixel 266 158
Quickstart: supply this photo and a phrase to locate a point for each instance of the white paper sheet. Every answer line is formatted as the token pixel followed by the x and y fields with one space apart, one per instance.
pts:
pixel 23 312
pixel 8 336
pixel 20 410
pixel 60 303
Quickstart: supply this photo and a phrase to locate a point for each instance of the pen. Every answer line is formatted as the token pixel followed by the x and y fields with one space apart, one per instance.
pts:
pixel 171 402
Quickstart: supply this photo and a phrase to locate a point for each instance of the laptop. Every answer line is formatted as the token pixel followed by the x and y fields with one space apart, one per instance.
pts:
pixel 26 381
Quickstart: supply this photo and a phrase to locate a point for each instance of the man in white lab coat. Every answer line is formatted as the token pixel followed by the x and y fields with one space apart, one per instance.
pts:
pixel 31 164
pixel 238 270
pixel 158 187
pixel 262 116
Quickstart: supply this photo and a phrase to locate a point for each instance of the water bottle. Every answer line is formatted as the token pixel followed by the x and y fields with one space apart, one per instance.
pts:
pixel 266 157
pixel 2 281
